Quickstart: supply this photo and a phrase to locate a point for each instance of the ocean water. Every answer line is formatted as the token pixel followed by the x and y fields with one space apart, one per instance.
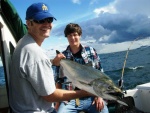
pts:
pixel 137 68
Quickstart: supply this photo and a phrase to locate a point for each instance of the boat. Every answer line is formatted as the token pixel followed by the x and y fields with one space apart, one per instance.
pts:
pixel 12 29
pixel 141 96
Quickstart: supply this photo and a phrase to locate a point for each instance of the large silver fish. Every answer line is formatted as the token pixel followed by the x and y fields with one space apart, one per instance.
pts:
pixel 90 79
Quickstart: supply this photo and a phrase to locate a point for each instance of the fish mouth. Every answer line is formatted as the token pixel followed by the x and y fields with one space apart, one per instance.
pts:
pixel 116 94
pixel 114 91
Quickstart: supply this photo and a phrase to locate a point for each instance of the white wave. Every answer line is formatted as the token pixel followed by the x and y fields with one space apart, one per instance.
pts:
pixel 137 67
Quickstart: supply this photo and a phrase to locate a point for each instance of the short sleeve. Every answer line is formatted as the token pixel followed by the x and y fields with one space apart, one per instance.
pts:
pixel 41 77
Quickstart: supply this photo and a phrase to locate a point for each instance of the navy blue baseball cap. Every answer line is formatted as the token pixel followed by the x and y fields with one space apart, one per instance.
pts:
pixel 38 11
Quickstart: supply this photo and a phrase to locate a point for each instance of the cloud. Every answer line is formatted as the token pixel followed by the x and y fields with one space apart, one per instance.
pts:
pixel 126 7
pixel 106 9
pixel 119 27
pixel 76 1
pixel 93 2
pixel 119 21
pixel 116 47
pixel 133 6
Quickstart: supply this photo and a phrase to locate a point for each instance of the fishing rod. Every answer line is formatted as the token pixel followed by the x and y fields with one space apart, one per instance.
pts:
pixel 121 79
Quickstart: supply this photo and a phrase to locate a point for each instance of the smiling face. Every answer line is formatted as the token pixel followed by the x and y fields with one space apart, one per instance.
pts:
pixel 73 33
pixel 39 31
pixel 73 39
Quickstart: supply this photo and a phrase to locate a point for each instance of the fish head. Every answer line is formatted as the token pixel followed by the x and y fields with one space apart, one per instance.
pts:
pixel 105 86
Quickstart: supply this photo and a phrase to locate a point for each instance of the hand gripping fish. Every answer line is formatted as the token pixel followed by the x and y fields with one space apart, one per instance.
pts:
pixel 90 79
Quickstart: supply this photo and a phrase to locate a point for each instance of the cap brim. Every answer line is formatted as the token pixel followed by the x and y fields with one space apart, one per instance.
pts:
pixel 41 16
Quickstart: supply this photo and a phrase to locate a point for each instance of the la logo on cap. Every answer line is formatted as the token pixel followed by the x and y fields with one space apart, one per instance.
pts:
pixel 44 7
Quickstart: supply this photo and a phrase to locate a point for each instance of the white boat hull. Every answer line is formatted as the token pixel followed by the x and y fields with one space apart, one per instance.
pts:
pixel 141 96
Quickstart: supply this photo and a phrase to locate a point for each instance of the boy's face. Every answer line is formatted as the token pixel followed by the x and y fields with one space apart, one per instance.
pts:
pixel 74 39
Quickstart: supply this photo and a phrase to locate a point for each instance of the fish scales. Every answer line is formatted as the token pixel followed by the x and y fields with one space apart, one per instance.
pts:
pixel 90 80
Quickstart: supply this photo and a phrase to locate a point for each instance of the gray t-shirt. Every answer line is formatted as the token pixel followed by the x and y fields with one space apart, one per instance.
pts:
pixel 31 77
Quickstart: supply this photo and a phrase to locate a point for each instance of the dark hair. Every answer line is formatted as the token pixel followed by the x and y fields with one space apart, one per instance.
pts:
pixel 71 28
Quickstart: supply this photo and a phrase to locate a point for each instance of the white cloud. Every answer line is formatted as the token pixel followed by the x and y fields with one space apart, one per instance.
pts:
pixel 104 38
pixel 125 7
pixel 93 2
pixel 76 1
pixel 116 47
pixel 104 47
pixel 106 9
pixel 117 25
pixel 133 6
pixel 121 20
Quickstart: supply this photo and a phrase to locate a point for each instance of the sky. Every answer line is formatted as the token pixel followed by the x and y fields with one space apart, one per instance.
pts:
pixel 107 25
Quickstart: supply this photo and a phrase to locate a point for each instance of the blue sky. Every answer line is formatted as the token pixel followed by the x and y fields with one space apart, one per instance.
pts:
pixel 105 23
pixel 64 10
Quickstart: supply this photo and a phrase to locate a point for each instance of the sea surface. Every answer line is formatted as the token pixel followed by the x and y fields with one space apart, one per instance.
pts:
pixel 136 71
